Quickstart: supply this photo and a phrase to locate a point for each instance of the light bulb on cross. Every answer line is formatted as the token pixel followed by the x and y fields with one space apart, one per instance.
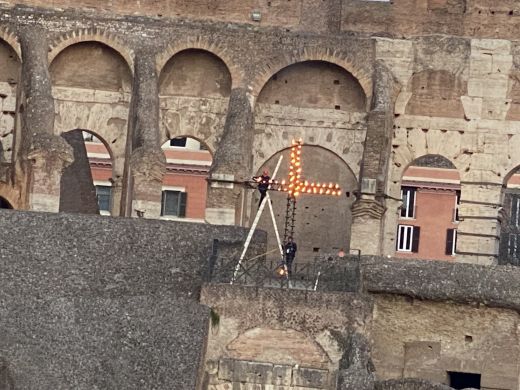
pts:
pixel 296 186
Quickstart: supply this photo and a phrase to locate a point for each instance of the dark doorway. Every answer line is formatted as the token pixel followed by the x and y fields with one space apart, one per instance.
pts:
pixel 4 204
pixel 463 380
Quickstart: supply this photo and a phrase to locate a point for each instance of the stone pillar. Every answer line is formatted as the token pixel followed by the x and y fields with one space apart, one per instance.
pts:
pixel 369 208
pixel 44 154
pixel 147 161
pixel 232 163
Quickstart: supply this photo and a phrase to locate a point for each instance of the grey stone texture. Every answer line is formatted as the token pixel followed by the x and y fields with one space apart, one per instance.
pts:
pixel 495 286
pixel 356 367
pixel 96 302
pixel 409 384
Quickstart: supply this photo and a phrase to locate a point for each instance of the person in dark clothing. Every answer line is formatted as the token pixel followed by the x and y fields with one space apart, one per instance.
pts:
pixel 263 184
pixel 289 251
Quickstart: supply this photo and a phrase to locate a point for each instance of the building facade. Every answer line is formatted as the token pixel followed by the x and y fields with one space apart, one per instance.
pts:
pixel 369 87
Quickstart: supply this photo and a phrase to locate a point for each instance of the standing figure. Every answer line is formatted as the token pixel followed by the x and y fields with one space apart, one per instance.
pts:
pixel 289 251
pixel 263 184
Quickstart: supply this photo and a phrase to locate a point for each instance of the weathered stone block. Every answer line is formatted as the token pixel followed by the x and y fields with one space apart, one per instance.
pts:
pixel 282 375
pixel 6 124
pixel 401 102
pixel 253 372
pixel 9 104
pixel 472 107
pixel 310 377
pixel 491 46
pixel 226 368
pixel 481 64
pixel 502 64
pixel 6 89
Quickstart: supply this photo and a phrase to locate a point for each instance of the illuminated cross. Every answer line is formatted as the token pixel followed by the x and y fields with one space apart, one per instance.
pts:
pixel 295 186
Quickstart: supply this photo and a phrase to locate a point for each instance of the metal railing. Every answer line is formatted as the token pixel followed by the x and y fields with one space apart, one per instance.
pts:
pixel 323 273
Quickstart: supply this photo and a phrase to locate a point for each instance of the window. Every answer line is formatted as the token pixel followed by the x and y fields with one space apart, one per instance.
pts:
pixel 513 245
pixel 173 203
pixel 179 142
pixel 103 194
pixel 456 210
pixel 451 242
pixel 515 211
pixel 408 238
pixel 408 206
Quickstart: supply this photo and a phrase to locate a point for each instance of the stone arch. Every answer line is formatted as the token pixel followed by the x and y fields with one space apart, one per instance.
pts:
pixel 91 35
pixel 195 73
pixel 435 93
pixel 427 216
pixel 404 155
pixel 205 146
pixel 103 68
pixel 12 40
pixel 201 43
pixel 200 114
pixel 312 54
pixel 345 146
pixel 316 214
pixel 314 84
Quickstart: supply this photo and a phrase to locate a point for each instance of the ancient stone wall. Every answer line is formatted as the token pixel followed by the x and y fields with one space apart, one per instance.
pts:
pixel 481 18
pixel 422 320
pixel 276 337
pixel 377 99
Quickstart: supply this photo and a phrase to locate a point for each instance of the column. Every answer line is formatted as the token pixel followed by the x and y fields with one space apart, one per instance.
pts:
pixel 147 163
pixel 44 155
pixel 369 208
pixel 232 163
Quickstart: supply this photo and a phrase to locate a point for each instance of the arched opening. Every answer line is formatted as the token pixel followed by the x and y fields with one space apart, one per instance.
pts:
pixel 91 65
pixel 92 85
pixel 195 73
pixel 314 84
pixel 509 216
pixel 194 89
pixel 9 77
pixel 436 93
pixel 322 222
pixel 184 190
pixel 429 216
pixel 86 185
pixel 4 204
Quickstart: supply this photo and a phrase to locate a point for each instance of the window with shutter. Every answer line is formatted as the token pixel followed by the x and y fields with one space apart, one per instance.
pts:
pixel 451 241
pixel 408 195
pixel 104 194
pixel 173 203
pixel 415 239
pixel 407 238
